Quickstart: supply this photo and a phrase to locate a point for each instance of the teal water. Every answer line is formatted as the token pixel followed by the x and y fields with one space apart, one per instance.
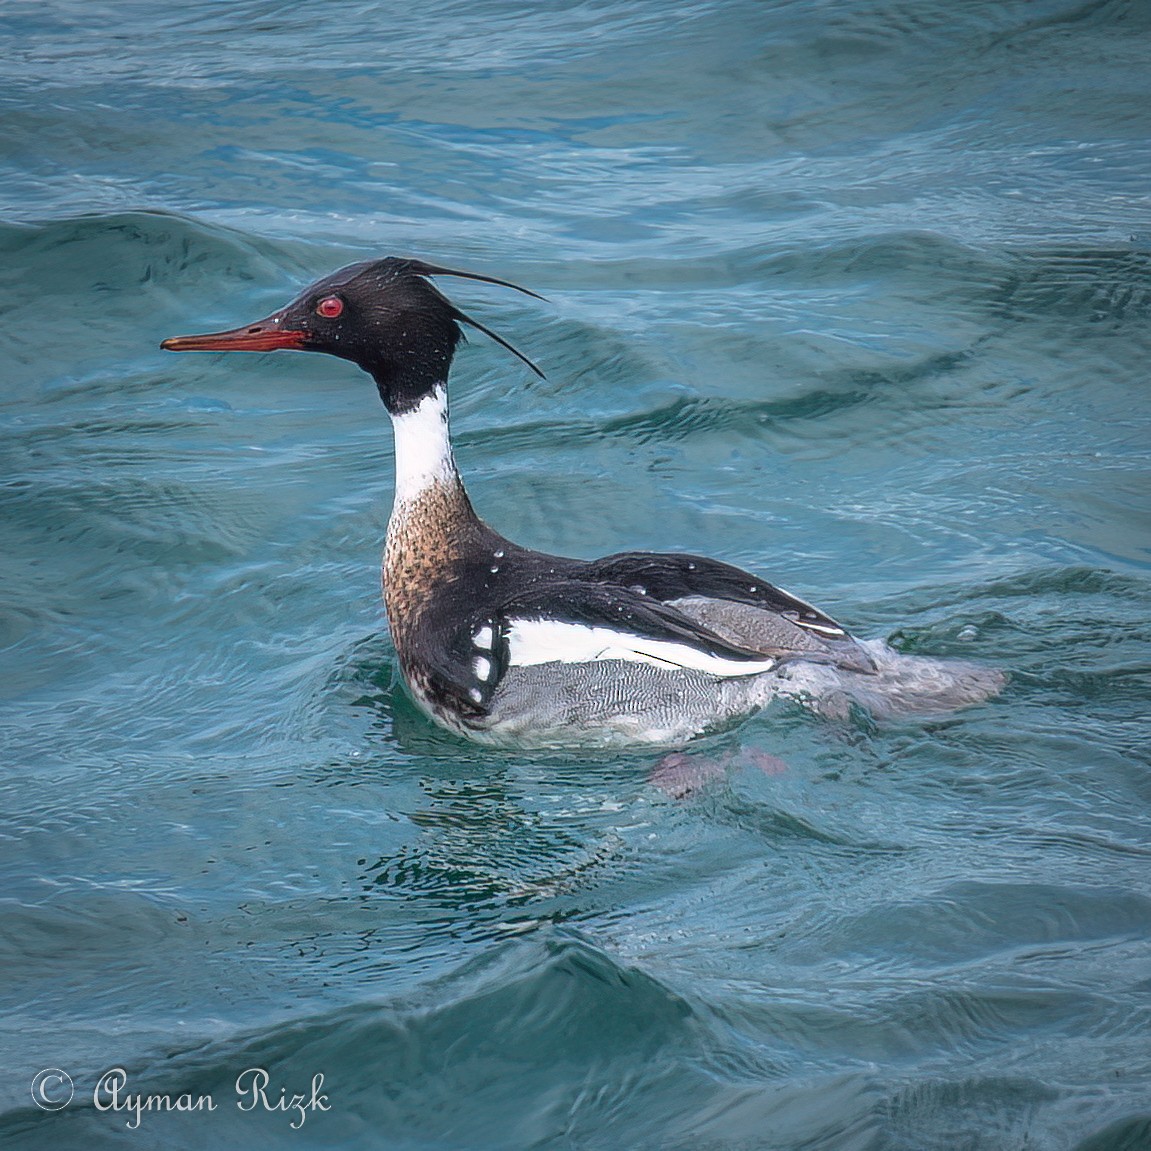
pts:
pixel 854 293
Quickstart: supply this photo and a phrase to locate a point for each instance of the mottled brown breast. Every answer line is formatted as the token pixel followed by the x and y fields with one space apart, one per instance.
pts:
pixel 427 538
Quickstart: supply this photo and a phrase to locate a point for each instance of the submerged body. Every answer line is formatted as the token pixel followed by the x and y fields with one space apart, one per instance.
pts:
pixel 505 645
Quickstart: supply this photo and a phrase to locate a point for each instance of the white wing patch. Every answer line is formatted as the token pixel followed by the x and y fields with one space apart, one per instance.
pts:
pixel 822 628
pixel 535 641
pixel 828 629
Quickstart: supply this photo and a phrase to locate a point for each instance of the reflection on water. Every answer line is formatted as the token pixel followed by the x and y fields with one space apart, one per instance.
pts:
pixel 854 295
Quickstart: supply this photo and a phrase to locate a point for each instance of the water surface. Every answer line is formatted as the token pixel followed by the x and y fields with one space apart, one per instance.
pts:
pixel 852 293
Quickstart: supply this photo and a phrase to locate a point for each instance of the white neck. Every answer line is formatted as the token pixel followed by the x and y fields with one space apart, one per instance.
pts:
pixel 423 449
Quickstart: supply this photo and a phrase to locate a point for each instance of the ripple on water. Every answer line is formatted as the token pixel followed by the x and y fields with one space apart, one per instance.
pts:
pixel 853 303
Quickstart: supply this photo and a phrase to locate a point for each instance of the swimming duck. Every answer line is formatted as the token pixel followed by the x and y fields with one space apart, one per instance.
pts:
pixel 506 645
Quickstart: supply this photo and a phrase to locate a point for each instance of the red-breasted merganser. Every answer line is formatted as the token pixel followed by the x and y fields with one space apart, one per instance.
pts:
pixel 510 646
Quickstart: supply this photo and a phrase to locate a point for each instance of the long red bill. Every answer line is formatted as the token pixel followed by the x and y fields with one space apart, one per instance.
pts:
pixel 262 337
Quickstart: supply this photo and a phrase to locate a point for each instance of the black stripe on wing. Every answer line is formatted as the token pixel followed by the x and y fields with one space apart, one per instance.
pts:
pixel 664 576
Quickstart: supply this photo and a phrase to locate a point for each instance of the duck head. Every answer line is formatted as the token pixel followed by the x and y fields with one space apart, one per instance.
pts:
pixel 383 315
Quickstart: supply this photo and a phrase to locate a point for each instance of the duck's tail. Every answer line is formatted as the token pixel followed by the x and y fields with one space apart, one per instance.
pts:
pixel 900 684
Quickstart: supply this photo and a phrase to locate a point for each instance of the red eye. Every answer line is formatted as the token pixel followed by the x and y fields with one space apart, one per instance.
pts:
pixel 330 306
